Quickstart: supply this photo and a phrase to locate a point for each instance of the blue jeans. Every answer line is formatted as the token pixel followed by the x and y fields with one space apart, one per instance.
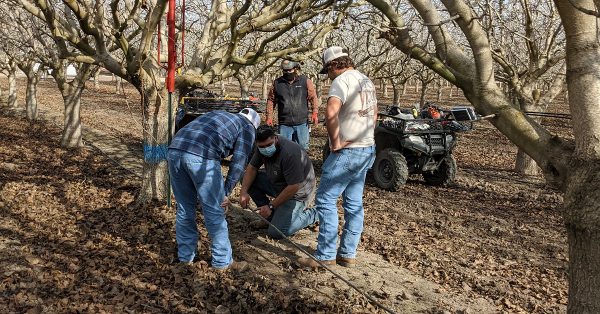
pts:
pixel 290 217
pixel 191 177
pixel 296 133
pixel 343 174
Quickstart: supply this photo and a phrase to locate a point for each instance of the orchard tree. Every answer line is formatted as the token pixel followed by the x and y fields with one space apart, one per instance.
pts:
pixel 100 32
pixel 20 44
pixel 572 167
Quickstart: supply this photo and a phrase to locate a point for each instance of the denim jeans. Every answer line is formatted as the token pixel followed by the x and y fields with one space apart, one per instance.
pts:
pixel 191 177
pixel 290 217
pixel 343 174
pixel 296 133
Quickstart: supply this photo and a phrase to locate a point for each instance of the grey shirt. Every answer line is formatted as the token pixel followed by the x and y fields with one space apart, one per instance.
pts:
pixel 289 165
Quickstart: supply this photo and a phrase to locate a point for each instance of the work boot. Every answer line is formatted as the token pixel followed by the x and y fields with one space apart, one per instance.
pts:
pixel 259 224
pixel 237 267
pixel 309 262
pixel 346 262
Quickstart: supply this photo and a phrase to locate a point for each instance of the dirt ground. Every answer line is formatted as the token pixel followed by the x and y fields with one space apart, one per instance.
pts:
pixel 74 241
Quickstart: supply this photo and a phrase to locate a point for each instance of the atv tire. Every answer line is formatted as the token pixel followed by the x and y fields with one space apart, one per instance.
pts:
pixel 390 169
pixel 326 150
pixel 444 175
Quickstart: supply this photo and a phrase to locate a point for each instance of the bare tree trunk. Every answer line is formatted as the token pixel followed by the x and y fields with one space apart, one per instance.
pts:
pixel 265 85
pixel 525 164
pixel 439 92
pixel 13 102
pixel 118 86
pixel 155 124
pixel 245 87
pixel 386 94
pixel 223 90
pixel 451 90
pixel 97 79
pixel 404 88
pixel 423 92
pixel 416 86
pixel 31 96
pixel 319 89
pixel 398 93
pixel 71 92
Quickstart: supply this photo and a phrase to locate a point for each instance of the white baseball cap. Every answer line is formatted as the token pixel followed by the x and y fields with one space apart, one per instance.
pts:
pixel 332 53
pixel 251 115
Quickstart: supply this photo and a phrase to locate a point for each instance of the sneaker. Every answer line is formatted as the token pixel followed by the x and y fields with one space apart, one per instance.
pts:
pixel 309 262
pixel 259 224
pixel 237 267
pixel 346 262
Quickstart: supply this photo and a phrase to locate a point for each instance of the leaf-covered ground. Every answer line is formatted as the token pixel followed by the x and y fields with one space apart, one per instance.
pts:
pixel 76 242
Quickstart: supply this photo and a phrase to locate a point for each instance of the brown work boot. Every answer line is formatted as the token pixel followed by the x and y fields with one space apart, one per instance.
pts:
pixel 237 267
pixel 346 262
pixel 259 224
pixel 309 262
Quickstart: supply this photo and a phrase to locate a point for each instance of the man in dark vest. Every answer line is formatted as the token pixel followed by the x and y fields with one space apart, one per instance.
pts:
pixel 292 94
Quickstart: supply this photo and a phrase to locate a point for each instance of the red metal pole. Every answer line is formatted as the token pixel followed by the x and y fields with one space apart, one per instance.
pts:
pixel 172 54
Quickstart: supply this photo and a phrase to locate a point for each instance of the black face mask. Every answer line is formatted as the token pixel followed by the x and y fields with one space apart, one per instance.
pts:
pixel 289 76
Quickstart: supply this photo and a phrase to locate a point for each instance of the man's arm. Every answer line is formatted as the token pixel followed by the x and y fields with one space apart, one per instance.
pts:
pixel 247 181
pixel 270 102
pixel 285 195
pixel 313 99
pixel 332 123
pixel 241 150
pixel 375 116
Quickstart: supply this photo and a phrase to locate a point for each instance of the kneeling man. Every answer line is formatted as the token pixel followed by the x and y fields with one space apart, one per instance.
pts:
pixel 288 176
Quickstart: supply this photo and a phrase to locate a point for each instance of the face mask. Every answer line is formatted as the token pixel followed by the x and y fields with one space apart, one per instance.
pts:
pixel 289 76
pixel 268 151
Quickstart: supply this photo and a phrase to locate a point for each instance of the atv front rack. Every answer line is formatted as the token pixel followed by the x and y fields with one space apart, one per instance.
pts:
pixel 423 126
pixel 201 105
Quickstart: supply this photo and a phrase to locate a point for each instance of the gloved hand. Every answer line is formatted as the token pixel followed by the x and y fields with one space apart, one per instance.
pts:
pixel 314 118
pixel 269 122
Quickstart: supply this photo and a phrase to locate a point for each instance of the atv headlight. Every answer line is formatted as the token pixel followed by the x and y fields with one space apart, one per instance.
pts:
pixel 416 139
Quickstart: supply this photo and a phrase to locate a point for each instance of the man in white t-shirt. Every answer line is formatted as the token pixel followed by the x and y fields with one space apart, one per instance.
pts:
pixel 350 119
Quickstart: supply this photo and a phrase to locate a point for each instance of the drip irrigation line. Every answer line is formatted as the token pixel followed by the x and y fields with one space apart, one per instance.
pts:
pixel 548 114
pixel 105 154
pixel 318 261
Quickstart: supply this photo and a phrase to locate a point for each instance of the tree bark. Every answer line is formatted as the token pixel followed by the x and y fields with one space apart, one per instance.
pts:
pixel 13 102
pixel 97 79
pixel 265 86
pixel 404 88
pixel 525 164
pixel 319 90
pixel 31 96
pixel 71 92
pixel 386 94
pixel 424 88
pixel 223 91
pixel 155 125
pixel 245 89
pixel 582 218
pixel 398 89
pixel 118 86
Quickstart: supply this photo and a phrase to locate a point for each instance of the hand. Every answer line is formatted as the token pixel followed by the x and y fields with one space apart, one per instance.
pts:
pixel 244 199
pixel 226 205
pixel 339 145
pixel 264 211
pixel 270 122
pixel 314 118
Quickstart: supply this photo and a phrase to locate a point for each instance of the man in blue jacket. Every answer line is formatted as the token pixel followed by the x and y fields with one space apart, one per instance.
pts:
pixel 194 160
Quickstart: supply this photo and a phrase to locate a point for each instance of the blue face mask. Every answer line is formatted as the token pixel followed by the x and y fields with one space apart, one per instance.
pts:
pixel 268 151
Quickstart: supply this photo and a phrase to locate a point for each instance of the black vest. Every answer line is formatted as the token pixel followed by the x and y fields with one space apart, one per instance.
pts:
pixel 291 100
